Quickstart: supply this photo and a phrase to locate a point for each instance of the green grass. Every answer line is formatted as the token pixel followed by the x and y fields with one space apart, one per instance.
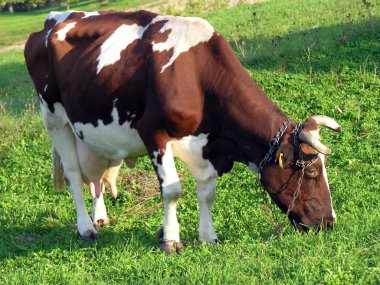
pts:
pixel 15 28
pixel 337 76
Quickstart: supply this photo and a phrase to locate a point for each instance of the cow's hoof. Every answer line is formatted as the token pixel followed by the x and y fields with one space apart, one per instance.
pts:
pixel 101 223
pixel 216 241
pixel 89 236
pixel 171 246
pixel 212 242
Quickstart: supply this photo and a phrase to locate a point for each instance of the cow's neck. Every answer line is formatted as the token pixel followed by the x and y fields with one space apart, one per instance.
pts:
pixel 255 120
pixel 250 118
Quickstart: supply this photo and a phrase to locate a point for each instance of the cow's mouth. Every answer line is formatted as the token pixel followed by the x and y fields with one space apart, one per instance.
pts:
pixel 301 227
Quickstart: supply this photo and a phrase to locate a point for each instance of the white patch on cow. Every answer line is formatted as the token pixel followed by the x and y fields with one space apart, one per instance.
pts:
pixel 55 120
pixel 45 88
pixel 59 17
pixel 190 150
pixel 166 169
pixel 62 32
pixel 111 49
pixel 324 177
pixel 113 141
pixel 90 14
pixel 185 34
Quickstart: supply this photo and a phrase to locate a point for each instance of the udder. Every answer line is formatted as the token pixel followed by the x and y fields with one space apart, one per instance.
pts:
pixel 97 170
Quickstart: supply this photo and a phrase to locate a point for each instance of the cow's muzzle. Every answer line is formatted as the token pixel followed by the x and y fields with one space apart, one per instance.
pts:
pixel 324 224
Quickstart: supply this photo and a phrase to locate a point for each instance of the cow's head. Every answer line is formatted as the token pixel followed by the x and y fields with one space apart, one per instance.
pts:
pixel 301 166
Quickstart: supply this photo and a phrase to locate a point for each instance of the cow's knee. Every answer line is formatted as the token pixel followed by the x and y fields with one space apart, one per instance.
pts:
pixel 172 192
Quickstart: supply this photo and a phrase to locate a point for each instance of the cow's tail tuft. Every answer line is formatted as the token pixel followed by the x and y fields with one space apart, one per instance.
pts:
pixel 58 176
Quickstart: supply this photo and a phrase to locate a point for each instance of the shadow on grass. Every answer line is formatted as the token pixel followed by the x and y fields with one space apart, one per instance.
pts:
pixel 16 88
pixel 323 48
pixel 23 241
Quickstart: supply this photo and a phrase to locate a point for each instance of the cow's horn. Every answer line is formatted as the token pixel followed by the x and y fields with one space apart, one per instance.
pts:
pixel 310 132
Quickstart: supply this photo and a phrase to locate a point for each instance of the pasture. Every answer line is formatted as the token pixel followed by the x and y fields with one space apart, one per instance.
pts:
pixel 310 57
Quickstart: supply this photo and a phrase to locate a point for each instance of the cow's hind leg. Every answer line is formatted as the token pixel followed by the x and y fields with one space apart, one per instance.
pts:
pixel 63 141
pixel 163 161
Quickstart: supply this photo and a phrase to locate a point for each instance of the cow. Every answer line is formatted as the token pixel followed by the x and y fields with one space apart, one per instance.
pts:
pixel 127 84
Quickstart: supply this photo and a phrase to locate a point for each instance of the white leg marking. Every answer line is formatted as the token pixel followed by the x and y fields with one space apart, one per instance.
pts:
pixel 190 150
pixel 99 211
pixel 206 196
pixel 171 191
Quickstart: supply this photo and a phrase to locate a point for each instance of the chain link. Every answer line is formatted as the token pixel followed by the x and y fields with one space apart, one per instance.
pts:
pixel 273 145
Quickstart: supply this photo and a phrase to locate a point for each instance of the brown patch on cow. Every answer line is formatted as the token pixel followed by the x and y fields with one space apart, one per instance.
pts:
pixel 153 34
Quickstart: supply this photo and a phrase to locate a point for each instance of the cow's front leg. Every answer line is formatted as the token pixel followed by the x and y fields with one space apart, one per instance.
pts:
pixel 171 191
pixel 64 143
pixel 206 196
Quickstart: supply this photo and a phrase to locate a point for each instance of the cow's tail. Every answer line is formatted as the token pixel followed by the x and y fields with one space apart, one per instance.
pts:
pixel 58 176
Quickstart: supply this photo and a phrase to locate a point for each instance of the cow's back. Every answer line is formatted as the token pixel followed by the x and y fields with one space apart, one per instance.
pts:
pixel 105 69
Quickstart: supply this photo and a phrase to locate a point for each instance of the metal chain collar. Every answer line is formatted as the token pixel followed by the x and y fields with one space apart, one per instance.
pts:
pixel 273 145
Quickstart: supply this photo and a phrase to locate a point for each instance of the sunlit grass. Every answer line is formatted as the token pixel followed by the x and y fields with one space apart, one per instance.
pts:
pixel 38 243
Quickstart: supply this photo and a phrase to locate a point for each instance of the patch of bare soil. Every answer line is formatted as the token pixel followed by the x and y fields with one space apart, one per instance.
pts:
pixel 145 187
pixel 13 46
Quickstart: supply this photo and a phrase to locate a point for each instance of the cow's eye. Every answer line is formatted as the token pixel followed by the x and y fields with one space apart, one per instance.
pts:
pixel 311 172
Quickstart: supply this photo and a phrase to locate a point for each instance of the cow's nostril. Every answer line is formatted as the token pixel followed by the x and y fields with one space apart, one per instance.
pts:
pixel 329 225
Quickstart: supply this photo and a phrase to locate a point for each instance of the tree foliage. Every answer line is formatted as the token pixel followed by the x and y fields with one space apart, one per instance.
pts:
pixel 25 5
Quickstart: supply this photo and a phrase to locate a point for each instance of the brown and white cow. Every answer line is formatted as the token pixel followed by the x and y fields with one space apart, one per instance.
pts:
pixel 129 84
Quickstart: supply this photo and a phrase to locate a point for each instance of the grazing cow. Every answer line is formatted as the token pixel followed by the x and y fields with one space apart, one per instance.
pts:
pixel 123 85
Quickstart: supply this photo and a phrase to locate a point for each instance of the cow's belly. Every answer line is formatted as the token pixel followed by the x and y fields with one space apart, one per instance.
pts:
pixel 113 141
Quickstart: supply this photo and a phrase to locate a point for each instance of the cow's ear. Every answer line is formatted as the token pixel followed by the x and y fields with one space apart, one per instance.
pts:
pixel 285 155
